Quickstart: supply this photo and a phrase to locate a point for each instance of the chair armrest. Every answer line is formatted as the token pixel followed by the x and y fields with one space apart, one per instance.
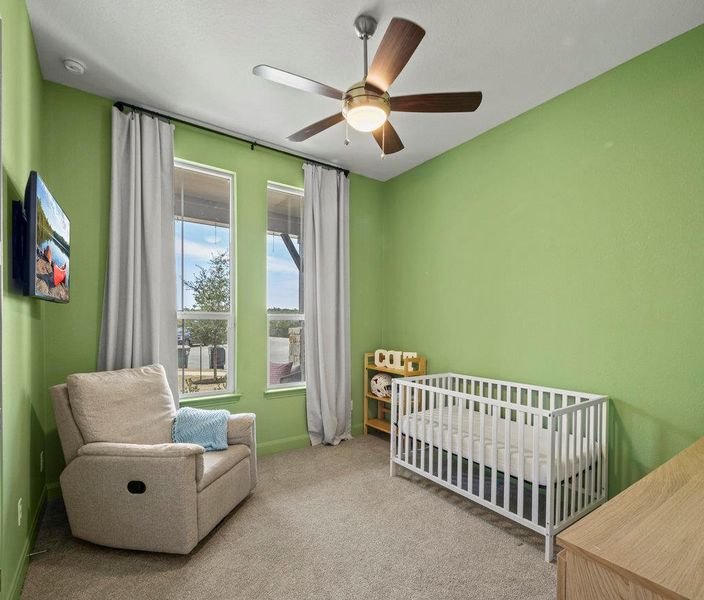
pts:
pixel 241 429
pixel 137 451
pixel 145 450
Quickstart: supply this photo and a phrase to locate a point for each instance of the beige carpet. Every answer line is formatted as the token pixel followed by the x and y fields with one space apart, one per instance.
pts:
pixel 324 523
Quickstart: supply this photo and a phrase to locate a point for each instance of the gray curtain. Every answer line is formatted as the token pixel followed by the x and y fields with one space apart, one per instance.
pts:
pixel 327 304
pixel 139 308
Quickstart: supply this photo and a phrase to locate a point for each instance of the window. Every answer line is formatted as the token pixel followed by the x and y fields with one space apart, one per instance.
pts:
pixel 285 320
pixel 204 282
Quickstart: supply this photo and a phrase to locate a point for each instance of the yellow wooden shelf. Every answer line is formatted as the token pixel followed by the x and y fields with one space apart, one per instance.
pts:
pixel 379 424
pixel 386 370
pixel 411 367
pixel 386 399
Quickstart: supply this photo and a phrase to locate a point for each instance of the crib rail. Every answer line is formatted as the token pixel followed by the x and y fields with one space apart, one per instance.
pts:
pixel 536 455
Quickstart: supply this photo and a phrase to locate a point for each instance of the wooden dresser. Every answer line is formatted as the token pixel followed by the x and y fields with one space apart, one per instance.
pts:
pixel 646 543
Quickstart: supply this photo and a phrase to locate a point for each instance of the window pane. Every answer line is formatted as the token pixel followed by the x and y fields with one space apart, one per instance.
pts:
pixel 203 355
pixel 284 277
pixel 286 351
pixel 202 237
pixel 285 286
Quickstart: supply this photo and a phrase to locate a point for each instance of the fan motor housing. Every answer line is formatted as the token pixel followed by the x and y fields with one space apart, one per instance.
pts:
pixel 357 95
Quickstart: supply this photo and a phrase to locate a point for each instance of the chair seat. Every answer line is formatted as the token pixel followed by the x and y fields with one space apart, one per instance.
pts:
pixel 217 463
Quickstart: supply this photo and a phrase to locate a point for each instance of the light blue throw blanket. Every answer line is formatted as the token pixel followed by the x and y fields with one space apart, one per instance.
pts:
pixel 207 428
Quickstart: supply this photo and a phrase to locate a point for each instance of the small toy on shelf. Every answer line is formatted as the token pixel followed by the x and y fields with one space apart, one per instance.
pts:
pixel 380 385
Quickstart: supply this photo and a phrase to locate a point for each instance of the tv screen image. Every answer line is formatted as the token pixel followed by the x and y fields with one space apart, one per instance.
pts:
pixel 49 243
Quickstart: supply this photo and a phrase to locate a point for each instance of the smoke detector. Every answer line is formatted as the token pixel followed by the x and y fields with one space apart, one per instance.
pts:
pixel 73 65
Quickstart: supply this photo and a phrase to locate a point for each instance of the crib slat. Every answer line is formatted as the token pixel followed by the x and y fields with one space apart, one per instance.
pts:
pixel 397 441
pixel 577 456
pixel 595 429
pixel 460 434
pixel 605 425
pixel 599 471
pixel 566 458
pixel 450 435
pixel 441 433
pixel 602 450
pixel 507 453
pixel 587 457
pixel 559 474
pixel 424 425
pixel 494 448
pixel 595 451
pixel 580 472
pixel 431 446
pixel 583 458
pixel 393 429
pixel 482 449
pixel 470 453
pixel 573 498
pixel 407 414
pixel 414 410
pixel 521 455
pixel 460 423
pixel 535 483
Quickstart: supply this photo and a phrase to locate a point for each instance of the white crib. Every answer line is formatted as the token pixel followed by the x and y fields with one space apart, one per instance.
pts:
pixel 536 455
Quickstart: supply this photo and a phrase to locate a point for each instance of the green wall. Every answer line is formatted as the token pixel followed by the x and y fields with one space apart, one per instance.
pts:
pixel 76 157
pixel 77 170
pixel 24 403
pixel 565 248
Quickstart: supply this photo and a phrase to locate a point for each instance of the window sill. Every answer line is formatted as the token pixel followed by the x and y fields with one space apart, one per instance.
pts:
pixel 214 400
pixel 286 391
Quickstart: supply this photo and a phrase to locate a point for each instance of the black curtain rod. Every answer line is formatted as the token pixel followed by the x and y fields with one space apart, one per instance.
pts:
pixel 121 106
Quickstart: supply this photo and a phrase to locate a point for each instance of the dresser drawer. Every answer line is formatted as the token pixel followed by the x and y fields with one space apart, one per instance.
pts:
pixel 580 578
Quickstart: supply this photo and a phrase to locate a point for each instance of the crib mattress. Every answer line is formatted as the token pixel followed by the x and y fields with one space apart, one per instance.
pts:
pixel 418 425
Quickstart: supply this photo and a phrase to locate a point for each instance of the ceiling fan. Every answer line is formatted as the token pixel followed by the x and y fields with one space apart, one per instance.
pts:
pixel 366 105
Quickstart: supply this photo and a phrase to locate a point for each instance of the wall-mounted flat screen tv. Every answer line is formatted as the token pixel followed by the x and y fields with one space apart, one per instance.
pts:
pixel 48 243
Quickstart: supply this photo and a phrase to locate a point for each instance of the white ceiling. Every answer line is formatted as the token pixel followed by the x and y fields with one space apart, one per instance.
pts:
pixel 195 59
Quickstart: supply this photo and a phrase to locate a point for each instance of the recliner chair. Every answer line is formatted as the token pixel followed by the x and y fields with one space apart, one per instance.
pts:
pixel 126 485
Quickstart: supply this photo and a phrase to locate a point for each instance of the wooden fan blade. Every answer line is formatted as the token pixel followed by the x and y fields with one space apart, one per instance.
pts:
pixel 388 141
pixel 296 81
pixel 397 46
pixel 311 130
pixel 438 103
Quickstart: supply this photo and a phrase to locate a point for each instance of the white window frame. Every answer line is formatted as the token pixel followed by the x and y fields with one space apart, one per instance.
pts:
pixel 289 189
pixel 231 317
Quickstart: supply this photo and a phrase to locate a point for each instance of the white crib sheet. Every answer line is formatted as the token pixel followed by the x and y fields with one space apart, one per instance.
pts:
pixel 418 425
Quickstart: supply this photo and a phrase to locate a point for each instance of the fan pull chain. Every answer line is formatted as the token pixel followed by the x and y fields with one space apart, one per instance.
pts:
pixel 383 140
pixel 347 133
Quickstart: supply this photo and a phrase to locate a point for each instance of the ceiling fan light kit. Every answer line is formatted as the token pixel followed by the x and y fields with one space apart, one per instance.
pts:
pixel 365 110
pixel 366 105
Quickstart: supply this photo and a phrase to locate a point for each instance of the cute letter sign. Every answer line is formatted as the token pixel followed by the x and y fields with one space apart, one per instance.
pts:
pixel 392 359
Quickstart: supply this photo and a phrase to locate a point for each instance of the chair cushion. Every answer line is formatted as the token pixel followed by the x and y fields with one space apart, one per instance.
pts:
pixel 131 406
pixel 216 464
